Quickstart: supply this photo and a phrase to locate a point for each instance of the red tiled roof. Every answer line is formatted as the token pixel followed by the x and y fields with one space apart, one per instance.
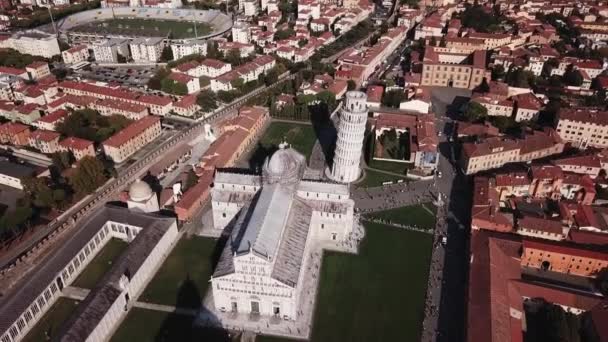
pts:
pixel 564 248
pixel 44 135
pixel 74 143
pixel 54 116
pixel 12 71
pixel 13 128
pixel 180 78
pixel 131 131
pixel 540 224
pixel 374 93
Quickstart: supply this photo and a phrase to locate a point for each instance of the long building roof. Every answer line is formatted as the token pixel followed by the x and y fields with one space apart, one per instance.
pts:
pixel 21 296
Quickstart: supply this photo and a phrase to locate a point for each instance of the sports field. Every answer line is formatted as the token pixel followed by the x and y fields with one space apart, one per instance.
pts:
pixel 147 28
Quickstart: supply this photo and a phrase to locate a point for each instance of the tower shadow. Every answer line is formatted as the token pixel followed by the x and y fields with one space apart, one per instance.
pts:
pixel 182 327
pixel 324 129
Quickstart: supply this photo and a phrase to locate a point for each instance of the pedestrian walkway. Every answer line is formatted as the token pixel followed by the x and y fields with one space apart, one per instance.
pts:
pixel 397 225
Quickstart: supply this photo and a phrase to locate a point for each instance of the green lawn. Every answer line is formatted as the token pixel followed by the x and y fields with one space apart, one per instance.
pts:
pixel 148 27
pixel 390 166
pixel 102 263
pixel 301 137
pixel 377 295
pixel 184 277
pixel 415 215
pixel 143 325
pixel 52 320
pixel 375 178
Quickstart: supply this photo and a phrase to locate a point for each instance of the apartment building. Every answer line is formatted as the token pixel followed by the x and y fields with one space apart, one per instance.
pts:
pixel 132 138
pixel 192 84
pixel 158 105
pixel 240 32
pixel 495 152
pixel 190 47
pixel 50 121
pixel 146 49
pixel 108 50
pixel 34 43
pixel 44 141
pixel 133 111
pixel 247 72
pixel 464 44
pixel 76 54
pixel 491 40
pixel 368 59
pixel 562 258
pixel 79 148
pixel 15 134
pixel 38 70
pixel 583 126
pixel 448 68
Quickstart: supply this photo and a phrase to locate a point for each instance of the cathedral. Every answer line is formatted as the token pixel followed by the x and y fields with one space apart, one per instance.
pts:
pixel 274 219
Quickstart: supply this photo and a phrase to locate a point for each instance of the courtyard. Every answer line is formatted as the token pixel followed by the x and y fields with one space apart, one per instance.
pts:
pixel 376 178
pixel 50 323
pixel 102 263
pixel 183 279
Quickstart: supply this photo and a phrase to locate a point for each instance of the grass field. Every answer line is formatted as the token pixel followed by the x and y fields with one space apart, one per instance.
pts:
pixel 100 264
pixel 414 215
pixel 377 295
pixel 143 325
pixel 184 277
pixel 375 178
pixel 147 27
pixel 52 320
pixel 301 137
pixel 390 166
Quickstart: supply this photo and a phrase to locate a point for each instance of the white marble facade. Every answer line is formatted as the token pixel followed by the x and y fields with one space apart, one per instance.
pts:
pixel 274 219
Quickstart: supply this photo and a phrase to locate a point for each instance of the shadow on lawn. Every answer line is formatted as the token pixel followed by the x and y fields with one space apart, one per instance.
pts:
pixel 180 327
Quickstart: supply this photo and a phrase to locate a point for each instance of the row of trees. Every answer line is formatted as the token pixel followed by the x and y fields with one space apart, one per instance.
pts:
pixel 89 124
pixel 15 59
pixel 40 16
pixel 44 194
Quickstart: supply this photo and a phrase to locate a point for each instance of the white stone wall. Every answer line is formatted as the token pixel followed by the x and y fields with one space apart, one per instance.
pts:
pixel 252 282
pixel 351 132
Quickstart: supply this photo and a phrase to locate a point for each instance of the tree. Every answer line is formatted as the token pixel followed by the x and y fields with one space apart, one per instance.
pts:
pixel 351 85
pixel 173 87
pixel 213 51
pixel 483 87
pixel 284 34
pixel 393 98
pixel 62 160
pixel 227 96
pixel 517 77
pixel 207 100
pixel 89 175
pixel 155 81
pixel 475 111
pixel 234 57
pixel 167 54
pixel 498 72
pixel 573 77
pixel 384 27
pixel 302 42
pixel 237 83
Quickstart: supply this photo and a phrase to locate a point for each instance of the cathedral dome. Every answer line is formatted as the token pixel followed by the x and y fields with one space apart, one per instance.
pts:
pixel 284 165
pixel 140 191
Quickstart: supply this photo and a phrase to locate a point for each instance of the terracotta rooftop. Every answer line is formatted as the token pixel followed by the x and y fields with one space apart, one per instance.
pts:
pixel 73 143
pixel 131 131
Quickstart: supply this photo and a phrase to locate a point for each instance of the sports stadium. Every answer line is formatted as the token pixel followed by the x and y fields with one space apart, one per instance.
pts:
pixel 130 22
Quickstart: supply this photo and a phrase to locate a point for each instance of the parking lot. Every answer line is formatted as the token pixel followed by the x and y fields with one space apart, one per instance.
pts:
pixel 129 76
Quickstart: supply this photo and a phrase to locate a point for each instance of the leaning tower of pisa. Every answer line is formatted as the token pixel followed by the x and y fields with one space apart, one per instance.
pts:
pixel 351 132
